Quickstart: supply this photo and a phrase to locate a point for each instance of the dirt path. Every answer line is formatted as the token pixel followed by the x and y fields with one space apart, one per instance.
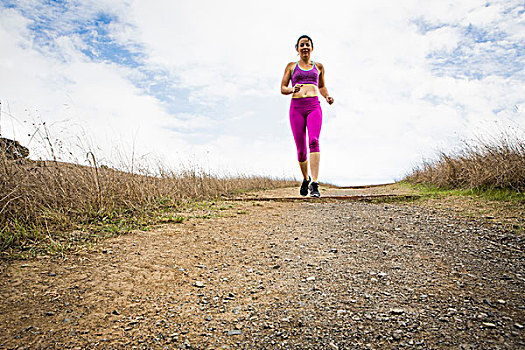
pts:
pixel 330 274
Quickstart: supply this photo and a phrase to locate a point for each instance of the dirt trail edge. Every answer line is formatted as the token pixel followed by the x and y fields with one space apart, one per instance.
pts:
pixel 271 274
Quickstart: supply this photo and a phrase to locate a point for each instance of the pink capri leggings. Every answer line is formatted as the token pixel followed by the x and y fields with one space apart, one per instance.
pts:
pixel 306 114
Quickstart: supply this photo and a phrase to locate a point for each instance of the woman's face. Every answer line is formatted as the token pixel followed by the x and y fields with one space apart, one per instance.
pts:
pixel 304 48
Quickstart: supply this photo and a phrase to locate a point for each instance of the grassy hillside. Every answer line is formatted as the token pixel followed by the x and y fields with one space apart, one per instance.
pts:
pixel 50 206
pixel 494 165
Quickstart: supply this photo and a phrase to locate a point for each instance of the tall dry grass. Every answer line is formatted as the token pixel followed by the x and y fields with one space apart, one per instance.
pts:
pixel 40 200
pixel 487 163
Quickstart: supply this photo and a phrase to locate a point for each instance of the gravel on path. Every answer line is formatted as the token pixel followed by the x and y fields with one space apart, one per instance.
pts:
pixel 274 275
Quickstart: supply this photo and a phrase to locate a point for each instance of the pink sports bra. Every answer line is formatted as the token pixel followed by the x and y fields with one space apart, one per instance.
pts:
pixel 301 76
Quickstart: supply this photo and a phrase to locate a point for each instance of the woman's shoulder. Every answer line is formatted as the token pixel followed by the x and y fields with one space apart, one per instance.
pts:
pixel 319 65
pixel 291 65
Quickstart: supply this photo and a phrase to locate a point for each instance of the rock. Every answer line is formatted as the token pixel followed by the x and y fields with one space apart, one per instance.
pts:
pixel 518 326
pixel 333 346
pixel 234 332
pixel 50 313
pixel 489 325
pixel 311 278
pixel 501 301
pixel 13 149
pixel 333 250
pixel 487 301
pixel 199 284
pixel 115 312
pixel 397 311
pixel 397 335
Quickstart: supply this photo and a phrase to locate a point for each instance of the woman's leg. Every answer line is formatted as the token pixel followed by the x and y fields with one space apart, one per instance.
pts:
pixel 298 123
pixel 314 122
pixel 314 165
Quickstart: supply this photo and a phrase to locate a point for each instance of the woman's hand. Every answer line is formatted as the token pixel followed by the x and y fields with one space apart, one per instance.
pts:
pixel 296 88
pixel 330 100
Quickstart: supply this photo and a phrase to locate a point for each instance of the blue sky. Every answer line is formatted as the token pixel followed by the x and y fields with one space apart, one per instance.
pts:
pixel 183 86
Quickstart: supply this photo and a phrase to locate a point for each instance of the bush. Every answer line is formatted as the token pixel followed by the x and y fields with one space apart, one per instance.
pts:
pixel 494 163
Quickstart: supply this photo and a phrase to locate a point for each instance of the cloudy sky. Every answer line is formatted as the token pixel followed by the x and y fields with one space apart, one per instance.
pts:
pixel 197 83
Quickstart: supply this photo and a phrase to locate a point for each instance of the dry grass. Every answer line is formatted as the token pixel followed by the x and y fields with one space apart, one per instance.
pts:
pixel 494 163
pixel 42 202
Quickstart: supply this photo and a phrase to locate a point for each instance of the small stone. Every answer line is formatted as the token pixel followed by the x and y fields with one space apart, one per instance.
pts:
pixel 311 278
pixel 199 284
pixel 518 326
pixel 50 313
pixel 234 332
pixel 115 312
pixel 501 301
pixel 489 325
pixel 52 274
pixel 208 318
pixel 397 335
pixel 275 267
pixel 397 311
pixel 382 274
pixel 333 250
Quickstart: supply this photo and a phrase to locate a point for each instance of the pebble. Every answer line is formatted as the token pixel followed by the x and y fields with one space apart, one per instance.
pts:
pixel 199 284
pixel 397 311
pixel 311 278
pixel 50 313
pixel 518 326
pixel 489 325
pixel 501 301
pixel 397 335
pixel 234 332
pixel 333 346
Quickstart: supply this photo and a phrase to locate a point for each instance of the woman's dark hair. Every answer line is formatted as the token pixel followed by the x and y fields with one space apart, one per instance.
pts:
pixel 302 37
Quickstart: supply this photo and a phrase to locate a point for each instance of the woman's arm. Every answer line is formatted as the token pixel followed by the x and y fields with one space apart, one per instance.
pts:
pixel 285 90
pixel 322 88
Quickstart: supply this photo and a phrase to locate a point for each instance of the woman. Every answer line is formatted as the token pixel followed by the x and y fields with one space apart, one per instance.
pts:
pixel 307 79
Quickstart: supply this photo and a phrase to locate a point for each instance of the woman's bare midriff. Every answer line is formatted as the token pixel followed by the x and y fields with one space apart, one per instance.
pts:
pixel 307 90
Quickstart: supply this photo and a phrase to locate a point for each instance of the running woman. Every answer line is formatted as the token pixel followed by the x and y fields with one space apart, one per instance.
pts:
pixel 307 79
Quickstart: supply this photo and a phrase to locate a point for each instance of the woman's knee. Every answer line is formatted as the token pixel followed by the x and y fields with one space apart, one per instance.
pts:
pixel 302 156
pixel 314 145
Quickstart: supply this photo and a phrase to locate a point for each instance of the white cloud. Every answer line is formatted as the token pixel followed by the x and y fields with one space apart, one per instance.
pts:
pixel 206 85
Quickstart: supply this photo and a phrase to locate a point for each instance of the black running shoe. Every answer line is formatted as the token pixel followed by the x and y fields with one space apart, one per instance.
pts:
pixel 304 187
pixel 314 189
